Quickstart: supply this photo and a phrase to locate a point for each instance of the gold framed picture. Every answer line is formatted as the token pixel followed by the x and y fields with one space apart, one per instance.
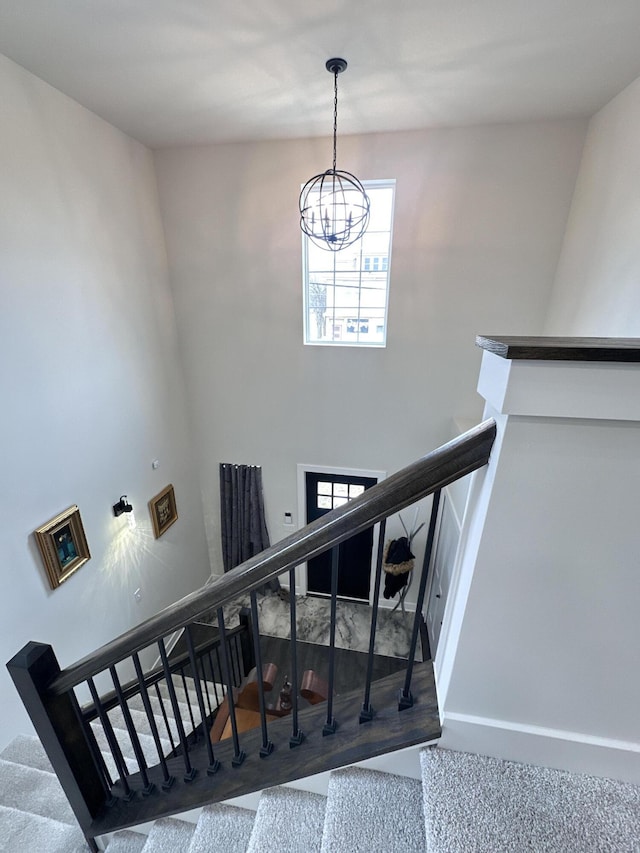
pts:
pixel 63 545
pixel 163 511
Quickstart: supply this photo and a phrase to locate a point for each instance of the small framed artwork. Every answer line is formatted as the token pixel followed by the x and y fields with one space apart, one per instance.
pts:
pixel 163 511
pixel 63 545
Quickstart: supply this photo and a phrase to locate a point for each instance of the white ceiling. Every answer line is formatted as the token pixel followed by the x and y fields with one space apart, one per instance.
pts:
pixel 172 72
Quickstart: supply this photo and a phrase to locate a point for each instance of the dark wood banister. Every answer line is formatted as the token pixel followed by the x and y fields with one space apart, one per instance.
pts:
pixel 447 463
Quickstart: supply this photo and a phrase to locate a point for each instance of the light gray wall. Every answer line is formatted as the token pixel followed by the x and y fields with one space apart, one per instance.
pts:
pixel 91 386
pixel 480 214
pixel 597 287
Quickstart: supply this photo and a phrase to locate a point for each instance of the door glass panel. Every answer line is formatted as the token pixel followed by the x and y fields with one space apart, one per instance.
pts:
pixel 339 502
pixel 324 502
pixel 325 488
pixel 341 490
pixel 354 491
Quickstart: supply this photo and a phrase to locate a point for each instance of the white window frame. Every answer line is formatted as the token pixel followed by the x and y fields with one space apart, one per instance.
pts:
pixel 374 322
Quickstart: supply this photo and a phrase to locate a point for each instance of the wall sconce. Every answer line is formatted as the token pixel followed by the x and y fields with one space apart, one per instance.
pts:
pixel 122 506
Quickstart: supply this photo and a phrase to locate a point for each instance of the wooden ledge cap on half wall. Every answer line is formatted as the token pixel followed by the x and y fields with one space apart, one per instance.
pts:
pixel 562 349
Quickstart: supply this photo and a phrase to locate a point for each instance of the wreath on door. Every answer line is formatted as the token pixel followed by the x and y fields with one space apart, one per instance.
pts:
pixel 398 560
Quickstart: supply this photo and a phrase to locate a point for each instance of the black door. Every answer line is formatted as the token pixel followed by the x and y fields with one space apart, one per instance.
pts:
pixel 324 493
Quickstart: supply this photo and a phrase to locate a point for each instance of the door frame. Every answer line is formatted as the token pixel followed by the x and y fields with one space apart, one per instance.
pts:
pixel 303 468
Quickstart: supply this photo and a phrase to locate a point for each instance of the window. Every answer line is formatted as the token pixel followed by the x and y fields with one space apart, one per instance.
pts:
pixel 332 495
pixel 346 293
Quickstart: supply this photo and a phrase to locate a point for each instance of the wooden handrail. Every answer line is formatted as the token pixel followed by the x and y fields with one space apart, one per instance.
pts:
pixel 453 460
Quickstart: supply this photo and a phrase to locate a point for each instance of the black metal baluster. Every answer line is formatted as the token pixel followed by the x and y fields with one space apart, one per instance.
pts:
pixel 331 725
pixel 241 673
pixel 405 699
pixel 148 786
pixel 244 643
pixel 205 681
pixel 239 756
pixel 219 664
pixel 367 713
pixel 187 697
pixel 168 780
pixel 189 771
pixel 214 764
pixel 297 735
pixel 267 745
pixel 236 646
pixel 214 679
pixel 166 719
pixel 114 746
pixel 99 759
pixel 235 661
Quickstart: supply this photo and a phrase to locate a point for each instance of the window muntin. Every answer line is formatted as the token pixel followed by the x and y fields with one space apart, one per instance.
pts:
pixel 346 293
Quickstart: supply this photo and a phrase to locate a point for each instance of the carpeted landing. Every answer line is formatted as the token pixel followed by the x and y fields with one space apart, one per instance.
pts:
pixel 464 803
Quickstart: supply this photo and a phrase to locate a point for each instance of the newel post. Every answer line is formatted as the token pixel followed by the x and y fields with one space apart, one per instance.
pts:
pixel 56 720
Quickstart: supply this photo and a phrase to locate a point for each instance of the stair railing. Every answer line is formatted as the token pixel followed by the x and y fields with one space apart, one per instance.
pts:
pixel 68 732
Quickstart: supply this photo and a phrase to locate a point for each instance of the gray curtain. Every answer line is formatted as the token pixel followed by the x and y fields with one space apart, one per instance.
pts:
pixel 242 521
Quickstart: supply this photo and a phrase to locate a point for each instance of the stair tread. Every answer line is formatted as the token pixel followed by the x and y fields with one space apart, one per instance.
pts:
pixel 143 726
pixel 136 704
pixel 32 833
pixel 223 827
pixel 31 790
pixel 131 764
pixel 147 743
pixel 169 834
pixel 288 820
pixel 368 810
pixel 481 803
pixel 185 698
pixel 27 750
pixel 126 841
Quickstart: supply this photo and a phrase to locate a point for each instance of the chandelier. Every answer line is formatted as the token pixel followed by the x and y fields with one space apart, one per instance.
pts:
pixel 334 207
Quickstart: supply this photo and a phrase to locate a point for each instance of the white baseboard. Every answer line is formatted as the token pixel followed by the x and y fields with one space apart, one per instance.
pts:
pixel 565 750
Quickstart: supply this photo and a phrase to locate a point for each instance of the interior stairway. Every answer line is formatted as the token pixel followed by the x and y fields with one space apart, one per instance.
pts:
pixel 463 803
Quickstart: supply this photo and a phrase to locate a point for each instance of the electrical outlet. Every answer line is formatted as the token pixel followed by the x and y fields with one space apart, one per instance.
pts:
pixel 288 519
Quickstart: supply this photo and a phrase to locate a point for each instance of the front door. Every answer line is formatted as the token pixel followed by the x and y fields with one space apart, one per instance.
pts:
pixel 325 492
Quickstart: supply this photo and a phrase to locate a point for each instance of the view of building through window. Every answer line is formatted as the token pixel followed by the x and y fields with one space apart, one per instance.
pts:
pixel 346 292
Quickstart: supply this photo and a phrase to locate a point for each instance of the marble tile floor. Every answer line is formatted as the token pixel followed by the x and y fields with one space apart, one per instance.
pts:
pixel 353 624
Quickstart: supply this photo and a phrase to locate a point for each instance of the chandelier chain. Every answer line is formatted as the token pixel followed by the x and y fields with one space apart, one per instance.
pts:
pixel 335 116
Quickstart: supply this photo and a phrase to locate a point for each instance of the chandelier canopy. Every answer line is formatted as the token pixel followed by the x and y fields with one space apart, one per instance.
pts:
pixel 334 207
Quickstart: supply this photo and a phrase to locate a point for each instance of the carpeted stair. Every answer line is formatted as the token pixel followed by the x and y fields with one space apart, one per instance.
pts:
pixel 287 819
pixel 34 813
pixel 464 803
pixel 472 802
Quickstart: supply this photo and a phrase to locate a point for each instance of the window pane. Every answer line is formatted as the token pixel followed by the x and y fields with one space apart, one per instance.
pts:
pixel 354 491
pixel 381 199
pixel 340 490
pixel 339 502
pixel 325 488
pixel 346 292
pixel 324 502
